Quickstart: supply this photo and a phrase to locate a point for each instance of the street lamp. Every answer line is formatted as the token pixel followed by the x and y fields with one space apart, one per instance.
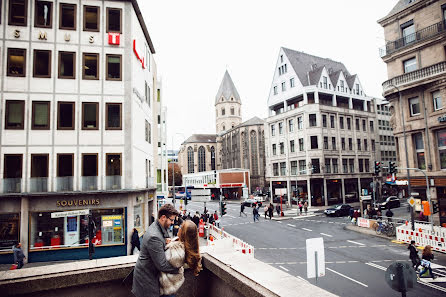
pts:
pixel 409 189
pixel 173 169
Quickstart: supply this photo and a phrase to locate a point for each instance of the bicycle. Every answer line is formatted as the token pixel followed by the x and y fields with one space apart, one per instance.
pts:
pixel 383 227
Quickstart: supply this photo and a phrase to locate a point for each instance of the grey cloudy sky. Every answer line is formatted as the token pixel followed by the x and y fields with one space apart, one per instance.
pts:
pixel 197 40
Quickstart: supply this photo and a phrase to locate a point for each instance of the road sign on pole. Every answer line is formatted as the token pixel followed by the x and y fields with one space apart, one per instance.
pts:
pixel 315 257
pixel 411 201
pixel 401 277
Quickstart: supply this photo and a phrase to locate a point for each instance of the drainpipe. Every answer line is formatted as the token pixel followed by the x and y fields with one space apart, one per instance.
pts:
pixel 426 131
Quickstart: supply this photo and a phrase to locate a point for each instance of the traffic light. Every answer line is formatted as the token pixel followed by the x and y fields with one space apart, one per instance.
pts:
pixel 223 208
pixel 392 168
pixel 434 207
pixel 377 167
pixel 426 208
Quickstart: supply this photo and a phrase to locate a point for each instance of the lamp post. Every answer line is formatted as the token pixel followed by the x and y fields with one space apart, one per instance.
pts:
pixel 173 169
pixel 409 189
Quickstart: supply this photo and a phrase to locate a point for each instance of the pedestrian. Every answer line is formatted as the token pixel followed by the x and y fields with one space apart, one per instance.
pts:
pixel 306 207
pixel 278 209
pixel 255 213
pixel 135 241
pixel 211 220
pixel 413 256
pixel 270 210
pixel 242 209
pixel 389 214
pixel 265 209
pixel 178 252
pixel 196 218
pixel 19 256
pixel 427 258
pixel 217 221
pixel 300 208
pixel 351 212
pixel 176 225
pixel 152 259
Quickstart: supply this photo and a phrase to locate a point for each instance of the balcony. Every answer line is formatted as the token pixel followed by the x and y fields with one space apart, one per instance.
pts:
pixel 64 183
pixel 12 185
pixel 411 39
pixel 38 184
pixel 406 79
pixel 113 182
pixel 89 183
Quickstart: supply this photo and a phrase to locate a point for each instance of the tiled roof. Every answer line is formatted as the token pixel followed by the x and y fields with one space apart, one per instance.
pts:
pixel 401 5
pixel 201 138
pixel 227 89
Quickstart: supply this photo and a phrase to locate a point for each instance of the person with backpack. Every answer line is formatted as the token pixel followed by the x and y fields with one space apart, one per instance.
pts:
pixel 389 214
pixel 426 260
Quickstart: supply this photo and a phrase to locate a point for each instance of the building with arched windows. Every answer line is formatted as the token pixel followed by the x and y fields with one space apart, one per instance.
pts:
pixel 237 144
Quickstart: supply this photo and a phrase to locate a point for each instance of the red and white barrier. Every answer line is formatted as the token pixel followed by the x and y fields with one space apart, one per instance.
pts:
pixel 423 235
pixel 218 236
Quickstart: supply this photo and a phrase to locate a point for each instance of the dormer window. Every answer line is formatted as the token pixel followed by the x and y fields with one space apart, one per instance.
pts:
pixel 222 111
pixel 281 58
pixel 232 99
pixel 325 80
pixel 342 86
pixel 357 89
pixel 222 99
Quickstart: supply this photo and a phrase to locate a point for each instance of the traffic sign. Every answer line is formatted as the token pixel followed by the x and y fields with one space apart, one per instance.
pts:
pixel 401 277
pixel 71 213
pixel 315 257
pixel 414 194
pixel 411 201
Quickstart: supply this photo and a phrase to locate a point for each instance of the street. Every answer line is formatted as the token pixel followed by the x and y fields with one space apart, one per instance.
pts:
pixel 355 263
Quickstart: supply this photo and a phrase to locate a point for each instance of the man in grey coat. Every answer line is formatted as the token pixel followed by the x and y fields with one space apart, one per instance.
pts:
pixel 152 259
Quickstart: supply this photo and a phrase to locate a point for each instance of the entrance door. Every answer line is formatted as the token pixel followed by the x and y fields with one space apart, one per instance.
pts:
pixel 71 230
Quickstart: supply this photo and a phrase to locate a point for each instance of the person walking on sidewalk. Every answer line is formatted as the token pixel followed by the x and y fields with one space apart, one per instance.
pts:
pixel 242 209
pixel 300 208
pixel 278 209
pixel 270 210
pixel 255 213
pixel 135 241
pixel 306 207
pixel 265 209
pixel 19 256
pixel 413 256
pixel 427 258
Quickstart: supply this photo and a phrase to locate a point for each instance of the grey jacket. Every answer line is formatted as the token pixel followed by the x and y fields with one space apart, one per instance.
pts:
pixel 151 261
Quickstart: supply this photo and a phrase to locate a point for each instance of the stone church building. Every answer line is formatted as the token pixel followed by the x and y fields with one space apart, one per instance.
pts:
pixel 237 144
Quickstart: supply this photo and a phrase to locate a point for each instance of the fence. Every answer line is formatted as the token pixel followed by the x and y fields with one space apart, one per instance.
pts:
pixel 423 235
pixel 230 241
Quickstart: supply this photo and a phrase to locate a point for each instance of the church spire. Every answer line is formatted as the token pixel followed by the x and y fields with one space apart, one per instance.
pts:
pixel 227 90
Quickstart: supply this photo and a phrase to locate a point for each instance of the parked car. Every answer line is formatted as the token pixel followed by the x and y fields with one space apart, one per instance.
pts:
pixel 276 199
pixel 350 197
pixel 250 202
pixel 339 210
pixel 391 201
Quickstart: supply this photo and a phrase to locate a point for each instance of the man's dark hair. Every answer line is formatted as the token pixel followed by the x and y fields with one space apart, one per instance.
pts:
pixel 412 242
pixel 167 210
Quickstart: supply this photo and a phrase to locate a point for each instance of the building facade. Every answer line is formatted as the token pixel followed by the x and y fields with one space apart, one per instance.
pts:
pixel 320 136
pixel 415 56
pixel 198 154
pixel 78 86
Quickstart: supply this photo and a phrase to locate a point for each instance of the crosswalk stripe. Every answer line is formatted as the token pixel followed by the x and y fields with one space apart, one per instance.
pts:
pixel 283 268
pixel 326 234
pixel 291 225
pixel 355 242
pixel 307 229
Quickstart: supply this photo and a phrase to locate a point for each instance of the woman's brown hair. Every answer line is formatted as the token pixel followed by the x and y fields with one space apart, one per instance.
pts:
pixel 188 235
pixel 427 250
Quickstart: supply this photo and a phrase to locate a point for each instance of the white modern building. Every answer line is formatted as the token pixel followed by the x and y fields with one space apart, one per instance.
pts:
pixel 79 107
pixel 320 136
pixel 387 147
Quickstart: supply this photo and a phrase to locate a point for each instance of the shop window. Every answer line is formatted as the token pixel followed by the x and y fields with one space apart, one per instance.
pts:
pixel 114 20
pixel 18 12
pixel 43 14
pixel 16 63
pixel 42 63
pixel 113 116
pixel 14 114
pixel 114 67
pixel 72 231
pixel 65 116
pixel 40 115
pixel 67 16
pixel 91 18
pixel 90 115
pixel 90 68
pixel 419 148
pixel 9 230
pixel 67 64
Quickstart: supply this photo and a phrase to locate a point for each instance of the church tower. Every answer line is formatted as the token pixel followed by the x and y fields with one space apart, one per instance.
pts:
pixel 227 105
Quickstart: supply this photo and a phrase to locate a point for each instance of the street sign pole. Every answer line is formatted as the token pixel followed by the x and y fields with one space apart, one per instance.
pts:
pixel 315 261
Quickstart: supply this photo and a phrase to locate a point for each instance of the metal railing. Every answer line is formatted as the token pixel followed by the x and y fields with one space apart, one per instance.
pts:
pixel 89 183
pixel 38 184
pixel 12 185
pixel 415 75
pixel 113 182
pixel 423 34
pixel 64 183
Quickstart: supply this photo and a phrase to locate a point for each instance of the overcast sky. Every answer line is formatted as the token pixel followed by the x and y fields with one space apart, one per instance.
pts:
pixel 197 40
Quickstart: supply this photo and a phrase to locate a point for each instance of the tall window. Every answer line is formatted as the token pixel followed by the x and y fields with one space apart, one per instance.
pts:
pixel 333 143
pixel 90 69
pixel 325 143
pixel 201 159
pixel 366 147
pixel 67 16
pixel 361 165
pixel 65 115
pixel 314 144
pixel 324 121
pixel 293 167
pixel 276 169
pixel 283 87
pixel 65 164
pixel 223 112
pixel 343 143
pixel 282 148
pixel 325 81
pixel 274 149
pixel 212 158
pixel 373 145
pixel 67 64
pixel 114 20
pixel 232 111
pixel 89 164
pixel 357 124
pixel 312 120
pixel 91 18
pixel 275 90
pixel 349 123
pixel 292 149
pixel 18 12
pixel 14 114
pixel 113 116
pixel 40 115
pixel 408 32
pixel 414 105
pixel 190 160
pixel 441 142
pixel 367 165
pixel 371 126
pixel 364 125
pixel 299 123
pixel 16 63
pixel 436 100
pixel 291 125
pixel 316 167
pixel 350 144
pixel 327 165
pixel 273 130
pixel 344 166
pixel 351 164
pixel 283 169
pixel 302 167
pixel 43 14
pixel 419 147
pixel 410 65
pixel 292 82
pixel 254 154
pixel 90 115
pixel 358 144
pixel 42 63
pixel 332 121
pixel 301 144
pixel 281 128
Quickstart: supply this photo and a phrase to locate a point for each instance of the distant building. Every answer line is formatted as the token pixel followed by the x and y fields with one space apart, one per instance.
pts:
pixel 320 136
pixel 415 55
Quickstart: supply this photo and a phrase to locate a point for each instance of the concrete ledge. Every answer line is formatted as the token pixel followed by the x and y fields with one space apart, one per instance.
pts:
pixel 367 231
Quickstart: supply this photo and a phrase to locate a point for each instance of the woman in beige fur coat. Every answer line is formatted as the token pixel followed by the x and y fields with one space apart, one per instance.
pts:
pixel 184 251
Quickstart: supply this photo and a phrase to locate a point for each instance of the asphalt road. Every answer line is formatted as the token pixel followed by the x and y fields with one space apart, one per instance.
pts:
pixel 355 263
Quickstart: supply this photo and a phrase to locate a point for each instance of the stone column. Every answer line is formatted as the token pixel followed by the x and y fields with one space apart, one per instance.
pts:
pixel 343 190
pixel 334 100
pixel 271 191
pixel 24 231
pixel 325 192
pixel 288 191
pixel 365 105
pixel 359 186
pixel 130 219
pixel 350 103
pixel 316 97
pixel 309 191
pixel 305 98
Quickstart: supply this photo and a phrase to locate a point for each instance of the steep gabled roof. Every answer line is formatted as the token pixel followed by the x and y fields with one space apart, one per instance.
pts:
pixel 351 80
pixel 334 77
pixel 315 75
pixel 303 64
pixel 201 138
pixel 227 89
pixel 401 5
pixel 252 121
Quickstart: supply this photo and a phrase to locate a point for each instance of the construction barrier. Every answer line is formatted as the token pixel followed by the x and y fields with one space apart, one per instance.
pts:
pixel 218 236
pixel 424 234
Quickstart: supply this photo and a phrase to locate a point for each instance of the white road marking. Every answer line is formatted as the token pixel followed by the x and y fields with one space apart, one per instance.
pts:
pixel 291 225
pixel 307 229
pixel 353 261
pixel 349 278
pixel 283 268
pixel 326 234
pixel 230 216
pixel 301 278
pixel 355 242
pixel 376 266
pixel 340 262
pixel 279 222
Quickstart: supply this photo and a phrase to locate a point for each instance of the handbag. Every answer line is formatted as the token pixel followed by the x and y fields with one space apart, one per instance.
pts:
pixel 425 263
pixel 13 267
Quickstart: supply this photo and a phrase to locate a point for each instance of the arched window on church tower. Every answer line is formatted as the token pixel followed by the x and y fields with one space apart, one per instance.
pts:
pixel 232 125
pixel 201 159
pixel 222 111
pixel 232 111
pixel 223 128
pixel 190 160
pixel 212 158
pixel 254 162
pixel 239 111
